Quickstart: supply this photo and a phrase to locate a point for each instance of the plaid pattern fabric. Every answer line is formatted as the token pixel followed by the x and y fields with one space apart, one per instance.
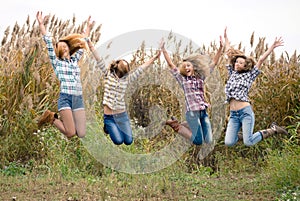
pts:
pixel 239 84
pixel 193 88
pixel 115 88
pixel 67 71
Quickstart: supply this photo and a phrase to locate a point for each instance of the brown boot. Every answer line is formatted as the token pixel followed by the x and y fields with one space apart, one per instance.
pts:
pixel 275 129
pixel 240 136
pixel 47 117
pixel 173 123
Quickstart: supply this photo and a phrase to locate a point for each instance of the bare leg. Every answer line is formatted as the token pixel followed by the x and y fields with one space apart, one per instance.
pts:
pixel 185 132
pixel 66 123
pixel 80 122
pixel 182 129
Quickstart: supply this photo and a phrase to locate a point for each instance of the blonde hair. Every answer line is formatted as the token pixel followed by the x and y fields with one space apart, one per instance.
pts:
pixel 201 64
pixel 74 41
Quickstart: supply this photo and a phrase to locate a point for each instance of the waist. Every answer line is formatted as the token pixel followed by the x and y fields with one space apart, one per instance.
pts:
pixel 108 111
pixel 237 105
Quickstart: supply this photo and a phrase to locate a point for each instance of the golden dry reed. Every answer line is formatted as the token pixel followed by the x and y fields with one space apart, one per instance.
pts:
pixel 28 84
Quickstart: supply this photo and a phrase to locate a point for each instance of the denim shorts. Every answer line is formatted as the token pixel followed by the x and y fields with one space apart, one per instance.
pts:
pixel 68 101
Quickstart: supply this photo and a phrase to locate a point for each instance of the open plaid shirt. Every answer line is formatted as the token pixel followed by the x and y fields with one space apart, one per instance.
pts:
pixel 193 88
pixel 67 71
pixel 239 84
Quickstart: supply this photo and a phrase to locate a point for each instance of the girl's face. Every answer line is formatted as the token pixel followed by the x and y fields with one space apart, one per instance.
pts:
pixel 122 68
pixel 63 50
pixel 240 64
pixel 188 68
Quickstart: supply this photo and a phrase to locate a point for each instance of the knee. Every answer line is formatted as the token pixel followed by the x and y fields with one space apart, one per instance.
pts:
pixel 197 142
pixel 70 133
pixel 128 143
pixel 80 135
pixel 229 143
pixel 248 143
pixel 117 142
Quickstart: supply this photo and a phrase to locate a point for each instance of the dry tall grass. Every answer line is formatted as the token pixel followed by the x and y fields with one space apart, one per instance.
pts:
pixel 28 85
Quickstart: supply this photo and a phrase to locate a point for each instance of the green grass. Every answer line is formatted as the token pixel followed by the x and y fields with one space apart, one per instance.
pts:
pixel 278 180
pixel 168 184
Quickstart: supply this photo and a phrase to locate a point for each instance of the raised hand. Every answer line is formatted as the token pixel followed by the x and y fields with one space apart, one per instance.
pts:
pixel 90 25
pixel 278 42
pixel 162 44
pixel 39 17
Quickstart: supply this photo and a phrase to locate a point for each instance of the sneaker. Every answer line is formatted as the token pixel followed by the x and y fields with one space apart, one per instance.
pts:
pixel 278 129
pixel 47 117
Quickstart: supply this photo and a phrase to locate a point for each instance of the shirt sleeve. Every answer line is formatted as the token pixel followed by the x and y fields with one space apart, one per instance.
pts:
pixel 78 54
pixel 175 72
pixel 101 65
pixel 51 52
pixel 135 74
pixel 255 72
pixel 229 68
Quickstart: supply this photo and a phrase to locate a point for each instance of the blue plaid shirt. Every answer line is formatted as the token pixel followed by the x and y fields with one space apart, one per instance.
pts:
pixel 67 71
pixel 239 84
pixel 193 88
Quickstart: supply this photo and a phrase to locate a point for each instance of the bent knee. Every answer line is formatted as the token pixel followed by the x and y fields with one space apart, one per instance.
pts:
pixel 197 142
pixel 248 143
pixel 229 143
pixel 81 135
pixel 117 142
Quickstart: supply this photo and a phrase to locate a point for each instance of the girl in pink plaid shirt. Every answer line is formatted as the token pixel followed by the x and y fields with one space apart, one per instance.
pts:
pixel 191 75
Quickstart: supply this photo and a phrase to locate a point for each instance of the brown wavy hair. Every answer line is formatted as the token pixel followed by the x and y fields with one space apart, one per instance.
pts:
pixel 119 68
pixel 234 54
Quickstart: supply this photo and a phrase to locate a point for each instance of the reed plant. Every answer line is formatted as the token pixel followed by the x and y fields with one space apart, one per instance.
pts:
pixel 28 86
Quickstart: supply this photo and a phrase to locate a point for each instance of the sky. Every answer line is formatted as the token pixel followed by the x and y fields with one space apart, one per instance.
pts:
pixel 201 21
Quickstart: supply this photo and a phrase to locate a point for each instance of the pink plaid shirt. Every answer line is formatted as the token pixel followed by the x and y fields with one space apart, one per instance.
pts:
pixel 193 88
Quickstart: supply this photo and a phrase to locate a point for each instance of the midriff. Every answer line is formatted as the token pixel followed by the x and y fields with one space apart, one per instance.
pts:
pixel 109 111
pixel 237 105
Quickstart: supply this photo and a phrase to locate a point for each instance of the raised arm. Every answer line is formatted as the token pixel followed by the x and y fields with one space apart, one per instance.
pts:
pixel 86 34
pixel 227 43
pixel 90 25
pixel 166 55
pixel 278 42
pixel 151 60
pixel 218 55
pixel 40 19
pixel 93 50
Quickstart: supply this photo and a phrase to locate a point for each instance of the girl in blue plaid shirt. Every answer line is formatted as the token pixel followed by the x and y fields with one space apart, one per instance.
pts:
pixel 242 72
pixel 64 58
pixel 191 75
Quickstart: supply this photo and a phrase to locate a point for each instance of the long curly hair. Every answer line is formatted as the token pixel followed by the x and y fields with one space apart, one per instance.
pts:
pixel 201 64
pixel 234 54
pixel 74 41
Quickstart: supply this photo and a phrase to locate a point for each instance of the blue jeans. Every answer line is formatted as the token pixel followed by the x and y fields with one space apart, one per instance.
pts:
pixel 243 118
pixel 118 127
pixel 200 125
